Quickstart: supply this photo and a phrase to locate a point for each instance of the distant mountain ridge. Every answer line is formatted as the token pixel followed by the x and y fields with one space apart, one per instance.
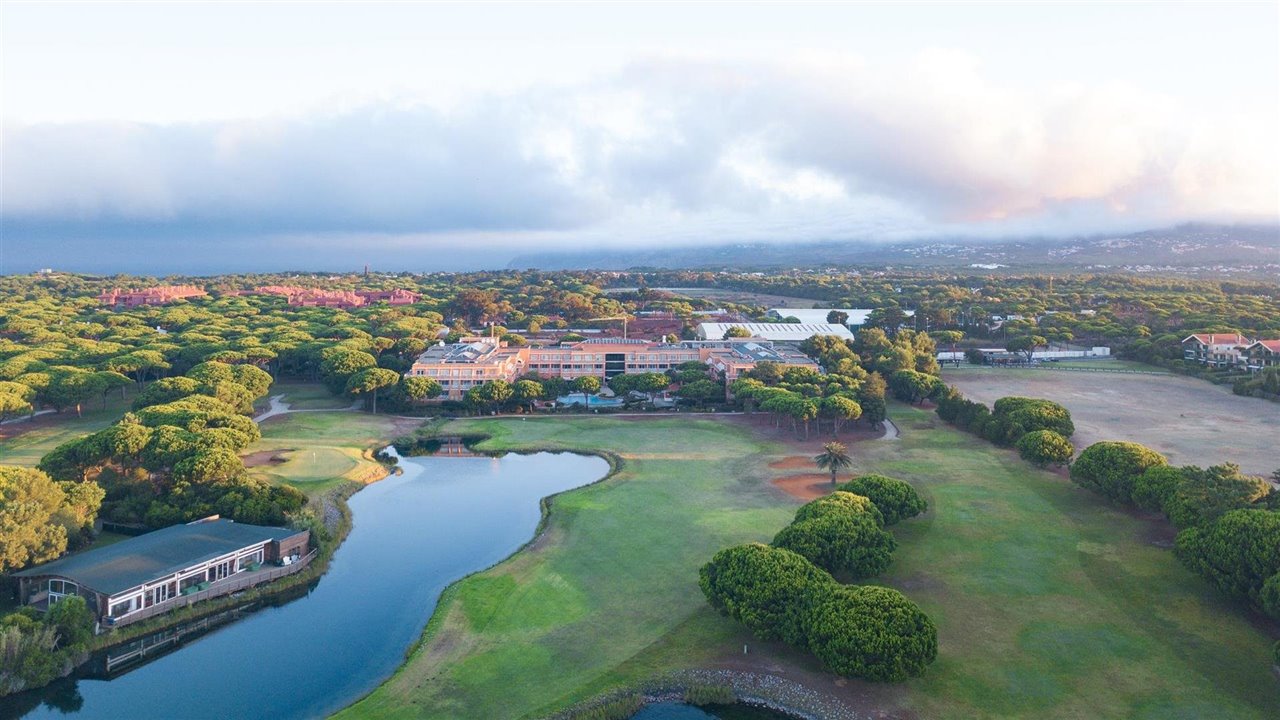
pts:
pixel 1192 248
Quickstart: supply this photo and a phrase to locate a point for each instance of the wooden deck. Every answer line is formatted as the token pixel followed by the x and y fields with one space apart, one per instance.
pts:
pixel 226 586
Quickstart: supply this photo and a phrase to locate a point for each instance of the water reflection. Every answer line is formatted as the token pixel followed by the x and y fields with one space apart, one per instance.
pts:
pixel 414 533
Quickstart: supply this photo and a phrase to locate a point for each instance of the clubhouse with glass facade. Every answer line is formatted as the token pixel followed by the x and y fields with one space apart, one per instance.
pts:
pixel 161 570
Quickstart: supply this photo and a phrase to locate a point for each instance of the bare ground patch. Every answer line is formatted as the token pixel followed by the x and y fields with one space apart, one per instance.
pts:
pixel 1188 420
pixel 266 457
pixel 807 486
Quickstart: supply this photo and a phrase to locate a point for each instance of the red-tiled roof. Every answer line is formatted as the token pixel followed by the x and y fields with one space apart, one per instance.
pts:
pixel 1219 338
pixel 1272 345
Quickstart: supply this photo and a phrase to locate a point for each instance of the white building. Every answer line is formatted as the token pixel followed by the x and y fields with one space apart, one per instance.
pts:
pixel 857 316
pixel 776 332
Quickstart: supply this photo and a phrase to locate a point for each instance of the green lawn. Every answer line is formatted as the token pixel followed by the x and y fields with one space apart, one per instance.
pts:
pixel 105 538
pixel 323 448
pixel 617 570
pixel 23 444
pixel 1049 603
pixel 309 396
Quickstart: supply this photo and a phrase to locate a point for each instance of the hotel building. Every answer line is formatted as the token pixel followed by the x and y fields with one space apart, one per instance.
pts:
pixel 475 361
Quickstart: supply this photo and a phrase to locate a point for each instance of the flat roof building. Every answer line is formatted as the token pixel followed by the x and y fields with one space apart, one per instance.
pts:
pixel 160 570
pixel 776 332
pixel 857 316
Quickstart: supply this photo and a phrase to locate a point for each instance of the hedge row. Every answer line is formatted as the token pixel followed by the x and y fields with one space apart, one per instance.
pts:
pixel 1230 530
pixel 1038 428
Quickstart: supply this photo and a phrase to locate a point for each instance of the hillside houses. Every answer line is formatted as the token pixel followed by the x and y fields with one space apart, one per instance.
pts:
pixel 1231 350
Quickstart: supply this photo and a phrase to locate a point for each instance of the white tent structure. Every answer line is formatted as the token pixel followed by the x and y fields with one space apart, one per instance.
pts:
pixel 777 332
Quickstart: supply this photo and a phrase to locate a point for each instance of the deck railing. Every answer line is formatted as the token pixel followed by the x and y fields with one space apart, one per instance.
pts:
pixel 219 588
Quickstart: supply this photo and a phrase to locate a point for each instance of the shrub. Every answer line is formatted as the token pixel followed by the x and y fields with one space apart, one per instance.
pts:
pixel 842 500
pixel 72 620
pixel 895 499
pixel 1202 495
pixel 1044 447
pixel 767 589
pixel 978 419
pixel 1112 468
pixel 1239 552
pixel 998 431
pixel 840 542
pixel 1269 597
pixel 1155 486
pixel 1275 654
pixel 1035 414
pixel 872 632
pixel 912 386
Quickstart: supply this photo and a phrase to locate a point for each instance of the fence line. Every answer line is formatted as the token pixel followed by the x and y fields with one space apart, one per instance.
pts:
pixel 1024 366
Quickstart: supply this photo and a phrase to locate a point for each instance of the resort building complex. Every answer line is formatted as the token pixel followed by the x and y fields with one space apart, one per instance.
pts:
pixel 475 361
pixel 149 296
pixel 161 570
pixel 298 296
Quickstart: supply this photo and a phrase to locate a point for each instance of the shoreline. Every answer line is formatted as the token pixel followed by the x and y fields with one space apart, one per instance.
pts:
pixel 429 629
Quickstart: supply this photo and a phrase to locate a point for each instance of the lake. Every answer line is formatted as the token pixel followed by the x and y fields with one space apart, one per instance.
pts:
pixel 414 534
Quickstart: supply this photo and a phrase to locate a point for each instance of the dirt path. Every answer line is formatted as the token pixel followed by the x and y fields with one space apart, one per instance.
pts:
pixel 26 418
pixel 278 406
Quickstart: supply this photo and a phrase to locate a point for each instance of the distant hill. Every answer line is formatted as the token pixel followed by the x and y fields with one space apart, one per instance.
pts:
pixel 1197 248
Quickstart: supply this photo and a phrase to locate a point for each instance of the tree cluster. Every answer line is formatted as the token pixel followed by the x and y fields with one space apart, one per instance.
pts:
pixel 895 499
pixel 1229 521
pixel 41 518
pixel 1239 552
pixel 786 591
pixel 177 457
pixel 35 649
pixel 1013 419
pixel 861 631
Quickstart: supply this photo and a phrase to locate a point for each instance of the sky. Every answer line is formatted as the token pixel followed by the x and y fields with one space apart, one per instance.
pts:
pixel 189 137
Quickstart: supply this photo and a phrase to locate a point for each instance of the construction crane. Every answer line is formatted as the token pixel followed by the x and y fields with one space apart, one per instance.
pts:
pixel 623 318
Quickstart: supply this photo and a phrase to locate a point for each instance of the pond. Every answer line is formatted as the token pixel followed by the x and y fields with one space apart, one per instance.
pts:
pixel 414 533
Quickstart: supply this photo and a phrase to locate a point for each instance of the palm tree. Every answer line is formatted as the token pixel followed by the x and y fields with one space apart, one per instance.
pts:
pixel 834 457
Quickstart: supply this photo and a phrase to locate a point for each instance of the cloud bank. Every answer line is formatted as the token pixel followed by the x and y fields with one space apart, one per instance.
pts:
pixel 668 150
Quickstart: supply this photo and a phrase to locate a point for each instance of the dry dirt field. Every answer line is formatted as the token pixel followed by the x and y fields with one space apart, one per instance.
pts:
pixel 1191 421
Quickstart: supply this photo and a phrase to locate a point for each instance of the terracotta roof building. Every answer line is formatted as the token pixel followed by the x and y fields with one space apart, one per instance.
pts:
pixel 149 296
pixel 1215 349
pixel 475 361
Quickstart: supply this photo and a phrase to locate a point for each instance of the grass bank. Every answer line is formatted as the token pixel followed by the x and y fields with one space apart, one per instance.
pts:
pixel 611 573
pixel 1049 603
